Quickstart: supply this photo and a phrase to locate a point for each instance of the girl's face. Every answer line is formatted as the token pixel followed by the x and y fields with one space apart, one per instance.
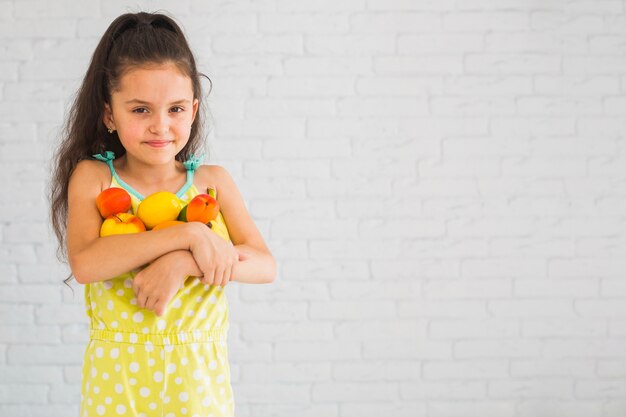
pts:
pixel 152 111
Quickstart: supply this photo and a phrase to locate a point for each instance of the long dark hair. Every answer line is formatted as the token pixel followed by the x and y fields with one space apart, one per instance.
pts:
pixel 132 40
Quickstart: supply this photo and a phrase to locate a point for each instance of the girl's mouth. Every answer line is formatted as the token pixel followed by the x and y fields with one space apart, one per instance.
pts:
pixel 158 143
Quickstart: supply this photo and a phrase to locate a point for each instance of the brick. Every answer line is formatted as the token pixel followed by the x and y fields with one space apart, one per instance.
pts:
pixel 454 390
pixel 316 351
pixel 321 65
pixel 409 44
pixel 253 43
pixel 371 409
pixel 350 45
pixel 344 392
pixel 501 329
pixel 293 107
pixel 41 354
pixel 23 394
pixel 8 273
pixel 321 269
pixel 418 349
pixel 352 310
pixel 492 21
pixel 513 64
pixel 434 64
pixel 29 294
pixel 311 87
pixel 43 374
pixel 61 28
pixel 547 368
pixel 575 327
pixel 546 407
pixel 271 127
pixel 47 410
pixel 531 308
pixel 270 332
pixel 301 372
pixel 319 22
pixel 11 334
pixel 466 369
pixel 491 408
pixel 377 370
pixel 275 312
pixel 511 348
pixel 372 290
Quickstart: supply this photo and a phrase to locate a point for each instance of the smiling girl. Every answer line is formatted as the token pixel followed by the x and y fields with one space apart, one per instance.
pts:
pixel 158 333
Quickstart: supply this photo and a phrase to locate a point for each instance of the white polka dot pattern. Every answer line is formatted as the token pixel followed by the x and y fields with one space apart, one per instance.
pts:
pixel 139 364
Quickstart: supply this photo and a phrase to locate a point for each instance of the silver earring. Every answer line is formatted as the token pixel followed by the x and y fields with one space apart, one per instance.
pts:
pixel 110 130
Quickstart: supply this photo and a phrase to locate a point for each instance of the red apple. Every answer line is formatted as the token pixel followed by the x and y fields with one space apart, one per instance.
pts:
pixel 121 223
pixel 202 208
pixel 113 200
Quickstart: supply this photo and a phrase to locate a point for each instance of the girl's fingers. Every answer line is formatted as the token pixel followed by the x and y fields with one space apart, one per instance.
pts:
pixel 227 275
pixel 209 278
pixel 219 275
pixel 145 303
pixel 154 303
pixel 141 299
pixel 136 288
pixel 159 308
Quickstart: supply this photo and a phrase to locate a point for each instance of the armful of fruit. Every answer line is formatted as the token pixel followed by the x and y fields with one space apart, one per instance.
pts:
pixel 157 211
pixel 156 283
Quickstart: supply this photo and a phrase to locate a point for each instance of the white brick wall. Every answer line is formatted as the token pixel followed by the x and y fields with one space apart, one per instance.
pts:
pixel 443 184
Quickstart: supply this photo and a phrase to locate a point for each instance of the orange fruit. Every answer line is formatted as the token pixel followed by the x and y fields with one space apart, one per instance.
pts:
pixel 168 223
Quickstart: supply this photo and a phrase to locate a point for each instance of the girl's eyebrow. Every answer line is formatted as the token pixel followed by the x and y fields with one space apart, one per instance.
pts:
pixel 136 100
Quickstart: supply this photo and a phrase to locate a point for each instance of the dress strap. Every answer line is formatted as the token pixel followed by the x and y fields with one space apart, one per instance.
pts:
pixel 108 157
pixel 105 156
pixel 191 164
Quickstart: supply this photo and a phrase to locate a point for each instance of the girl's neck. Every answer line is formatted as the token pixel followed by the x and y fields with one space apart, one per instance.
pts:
pixel 149 175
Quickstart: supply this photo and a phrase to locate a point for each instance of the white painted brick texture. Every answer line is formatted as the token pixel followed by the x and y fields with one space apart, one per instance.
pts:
pixel 442 183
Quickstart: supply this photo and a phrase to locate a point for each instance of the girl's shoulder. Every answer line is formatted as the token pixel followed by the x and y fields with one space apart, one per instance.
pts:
pixel 94 171
pixel 208 176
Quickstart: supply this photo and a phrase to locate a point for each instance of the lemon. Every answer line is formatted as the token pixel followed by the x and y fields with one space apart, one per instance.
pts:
pixel 159 207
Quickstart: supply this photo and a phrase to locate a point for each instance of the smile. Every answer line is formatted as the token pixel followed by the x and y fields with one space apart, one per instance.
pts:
pixel 158 143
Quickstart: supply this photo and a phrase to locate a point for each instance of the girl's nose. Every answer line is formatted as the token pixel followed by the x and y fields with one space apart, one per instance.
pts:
pixel 160 123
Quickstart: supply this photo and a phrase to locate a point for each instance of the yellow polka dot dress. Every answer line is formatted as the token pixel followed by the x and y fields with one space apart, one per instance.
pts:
pixel 139 364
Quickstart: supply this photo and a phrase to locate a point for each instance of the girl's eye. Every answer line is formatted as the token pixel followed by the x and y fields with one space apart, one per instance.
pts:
pixel 175 109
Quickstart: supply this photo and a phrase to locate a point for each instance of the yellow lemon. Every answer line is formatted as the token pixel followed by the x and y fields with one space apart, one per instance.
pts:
pixel 158 208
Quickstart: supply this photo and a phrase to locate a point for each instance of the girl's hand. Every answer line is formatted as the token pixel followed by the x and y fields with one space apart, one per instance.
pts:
pixel 215 256
pixel 157 283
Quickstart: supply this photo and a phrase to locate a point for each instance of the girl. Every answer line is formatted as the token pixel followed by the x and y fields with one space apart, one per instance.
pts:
pixel 155 301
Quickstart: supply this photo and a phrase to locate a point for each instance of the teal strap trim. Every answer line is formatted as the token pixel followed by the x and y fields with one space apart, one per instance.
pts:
pixel 187 184
pixel 124 185
pixel 190 164
pixel 193 162
pixel 105 156
pixel 108 157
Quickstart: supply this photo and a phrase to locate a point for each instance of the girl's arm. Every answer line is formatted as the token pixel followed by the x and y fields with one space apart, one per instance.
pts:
pixel 93 258
pixel 260 267
pixel 256 268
